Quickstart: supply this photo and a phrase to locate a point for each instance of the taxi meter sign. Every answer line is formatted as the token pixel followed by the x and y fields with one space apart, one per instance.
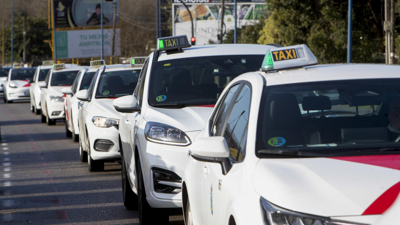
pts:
pixel 97 63
pixel 59 66
pixel 47 63
pixel 173 43
pixel 137 61
pixel 288 58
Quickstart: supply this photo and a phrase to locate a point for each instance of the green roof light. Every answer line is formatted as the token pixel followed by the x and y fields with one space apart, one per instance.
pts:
pixel 268 64
pixel 133 61
pixel 160 44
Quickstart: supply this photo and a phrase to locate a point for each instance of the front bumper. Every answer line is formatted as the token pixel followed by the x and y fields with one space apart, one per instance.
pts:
pixel 18 94
pixel 97 134
pixel 53 107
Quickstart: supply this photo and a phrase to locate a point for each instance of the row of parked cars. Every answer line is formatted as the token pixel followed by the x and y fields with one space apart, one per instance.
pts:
pixel 236 134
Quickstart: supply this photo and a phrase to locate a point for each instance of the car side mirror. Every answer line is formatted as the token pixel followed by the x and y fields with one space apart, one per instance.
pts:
pixel 213 150
pixel 83 95
pixel 67 91
pixel 126 104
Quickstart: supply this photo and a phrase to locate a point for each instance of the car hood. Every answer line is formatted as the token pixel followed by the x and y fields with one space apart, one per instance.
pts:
pixel 341 186
pixel 187 119
pixel 104 107
pixel 20 83
pixel 56 90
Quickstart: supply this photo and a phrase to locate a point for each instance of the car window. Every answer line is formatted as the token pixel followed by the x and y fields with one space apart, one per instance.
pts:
pixel 46 80
pixel 4 72
pixel 114 84
pixel 235 128
pixel 223 111
pixel 42 74
pixel 22 74
pixel 87 78
pixel 63 78
pixel 75 84
pixel 93 82
pixel 140 87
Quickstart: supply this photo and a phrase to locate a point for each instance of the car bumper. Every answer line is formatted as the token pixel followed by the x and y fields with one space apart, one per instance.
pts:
pixel 18 94
pixel 53 108
pixel 100 135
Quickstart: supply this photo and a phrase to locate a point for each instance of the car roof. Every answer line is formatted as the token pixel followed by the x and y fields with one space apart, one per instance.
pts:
pixel 77 68
pixel 332 72
pixel 218 50
pixel 45 67
pixel 121 67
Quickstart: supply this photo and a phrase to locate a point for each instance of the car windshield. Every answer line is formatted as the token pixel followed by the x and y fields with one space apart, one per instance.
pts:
pixel 196 81
pixel 43 74
pixel 332 117
pixel 117 83
pixel 22 74
pixel 4 72
pixel 63 78
pixel 87 78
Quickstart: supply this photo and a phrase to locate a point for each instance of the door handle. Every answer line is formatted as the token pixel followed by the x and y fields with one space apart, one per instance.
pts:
pixel 205 170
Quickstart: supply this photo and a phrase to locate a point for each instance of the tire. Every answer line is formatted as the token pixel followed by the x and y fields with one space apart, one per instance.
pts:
pixel 148 215
pixel 67 132
pixel 43 117
pixel 82 154
pixel 50 122
pixel 129 197
pixel 94 165
pixel 32 109
pixel 187 217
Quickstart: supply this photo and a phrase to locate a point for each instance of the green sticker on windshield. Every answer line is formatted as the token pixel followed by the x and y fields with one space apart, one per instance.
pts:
pixel 106 92
pixel 161 98
pixel 277 141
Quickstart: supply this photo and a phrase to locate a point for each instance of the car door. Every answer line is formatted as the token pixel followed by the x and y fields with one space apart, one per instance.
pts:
pixel 43 94
pixel 68 100
pixel 231 123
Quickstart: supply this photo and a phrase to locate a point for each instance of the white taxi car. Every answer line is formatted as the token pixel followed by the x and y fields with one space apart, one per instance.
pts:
pixel 314 145
pixel 3 76
pixel 97 119
pixel 34 89
pixel 178 88
pixel 81 82
pixel 17 85
pixel 51 97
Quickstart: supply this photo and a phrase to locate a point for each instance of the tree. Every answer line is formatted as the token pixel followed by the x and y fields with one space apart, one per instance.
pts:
pixel 322 25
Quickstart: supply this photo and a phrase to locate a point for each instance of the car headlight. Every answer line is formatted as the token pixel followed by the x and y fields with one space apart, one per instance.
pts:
pixel 274 215
pixel 12 85
pixel 56 99
pixel 104 122
pixel 165 134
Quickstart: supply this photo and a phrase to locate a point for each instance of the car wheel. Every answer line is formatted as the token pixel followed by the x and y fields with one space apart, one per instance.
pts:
pixel 129 197
pixel 43 117
pixel 67 132
pixel 82 154
pixel 32 109
pixel 187 217
pixel 50 121
pixel 37 111
pixel 94 165
pixel 146 213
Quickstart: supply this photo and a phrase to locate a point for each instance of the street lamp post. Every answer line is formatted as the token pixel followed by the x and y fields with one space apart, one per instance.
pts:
pixel 190 14
pixel 349 34
pixel 101 22
pixel 12 32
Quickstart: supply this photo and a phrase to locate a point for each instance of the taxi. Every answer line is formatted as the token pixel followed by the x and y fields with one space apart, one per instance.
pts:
pixel 298 143
pixel 51 97
pixel 17 85
pixel 3 76
pixel 34 89
pixel 98 121
pixel 81 82
pixel 176 93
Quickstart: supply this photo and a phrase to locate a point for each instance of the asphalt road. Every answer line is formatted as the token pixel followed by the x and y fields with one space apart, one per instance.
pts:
pixel 42 180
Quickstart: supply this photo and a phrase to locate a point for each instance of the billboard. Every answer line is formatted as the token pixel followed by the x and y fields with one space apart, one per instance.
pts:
pixel 85 43
pixel 206 19
pixel 83 13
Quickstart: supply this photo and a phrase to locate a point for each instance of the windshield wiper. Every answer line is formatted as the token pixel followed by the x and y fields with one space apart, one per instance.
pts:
pixel 166 105
pixel 287 152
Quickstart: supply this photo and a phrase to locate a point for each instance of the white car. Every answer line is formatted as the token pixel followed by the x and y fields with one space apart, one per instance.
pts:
pixel 51 97
pixel 294 146
pixel 17 85
pixel 391 216
pixel 34 89
pixel 3 76
pixel 178 88
pixel 97 119
pixel 81 82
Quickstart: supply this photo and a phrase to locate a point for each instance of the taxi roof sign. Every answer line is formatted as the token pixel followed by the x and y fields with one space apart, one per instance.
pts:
pixel 288 57
pixel 47 63
pixel 16 66
pixel 138 61
pixel 173 43
pixel 59 66
pixel 97 63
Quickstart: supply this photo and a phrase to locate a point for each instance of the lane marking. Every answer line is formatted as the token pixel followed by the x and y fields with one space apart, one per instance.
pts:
pixel 7 184
pixel 7 175
pixel 7 164
pixel 7 169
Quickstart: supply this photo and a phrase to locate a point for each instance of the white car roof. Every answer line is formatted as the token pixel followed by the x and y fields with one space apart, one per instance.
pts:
pixel 77 68
pixel 121 67
pixel 332 72
pixel 218 50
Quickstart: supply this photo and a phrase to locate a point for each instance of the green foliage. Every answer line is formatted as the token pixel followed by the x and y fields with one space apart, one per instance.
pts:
pixel 37 32
pixel 322 25
pixel 247 34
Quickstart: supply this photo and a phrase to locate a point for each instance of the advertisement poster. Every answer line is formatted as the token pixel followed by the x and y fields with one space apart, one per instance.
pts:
pixel 83 13
pixel 86 43
pixel 207 19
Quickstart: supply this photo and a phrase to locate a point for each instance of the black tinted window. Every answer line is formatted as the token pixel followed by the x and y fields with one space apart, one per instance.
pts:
pixel 63 78
pixel 42 74
pixel 87 78
pixel 4 72
pixel 22 74
pixel 117 83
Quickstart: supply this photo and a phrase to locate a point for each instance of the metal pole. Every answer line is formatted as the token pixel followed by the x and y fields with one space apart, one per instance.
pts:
pixel 349 34
pixel 12 32
pixel 235 33
pixel 24 39
pixel 157 15
pixel 114 23
pixel 54 35
pixel 190 14
pixel 4 45
pixel 222 22
pixel 101 22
